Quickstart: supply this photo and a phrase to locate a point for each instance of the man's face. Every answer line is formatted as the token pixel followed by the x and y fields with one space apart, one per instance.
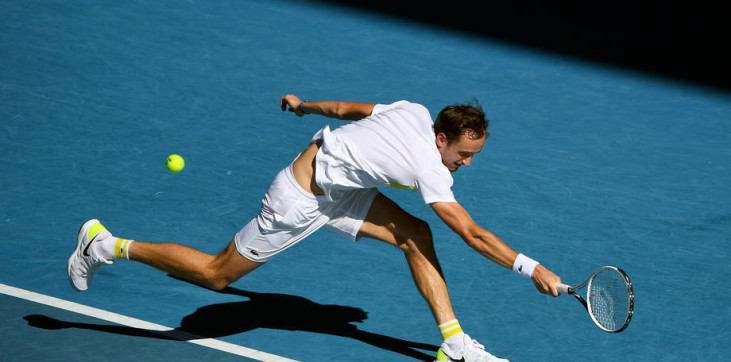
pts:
pixel 458 152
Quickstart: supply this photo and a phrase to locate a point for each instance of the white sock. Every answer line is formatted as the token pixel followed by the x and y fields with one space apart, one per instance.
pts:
pixel 452 334
pixel 112 247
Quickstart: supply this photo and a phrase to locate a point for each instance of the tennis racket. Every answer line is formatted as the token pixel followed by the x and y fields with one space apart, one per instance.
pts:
pixel 609 298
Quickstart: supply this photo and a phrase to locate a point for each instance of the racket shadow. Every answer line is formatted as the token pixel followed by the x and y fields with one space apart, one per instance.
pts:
pixel 49 323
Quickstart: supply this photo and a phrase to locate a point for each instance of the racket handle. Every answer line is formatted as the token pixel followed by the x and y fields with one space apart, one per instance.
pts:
pixel 562 288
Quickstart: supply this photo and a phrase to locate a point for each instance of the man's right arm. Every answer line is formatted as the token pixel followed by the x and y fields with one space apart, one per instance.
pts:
pixel 334 109
pixel 489 245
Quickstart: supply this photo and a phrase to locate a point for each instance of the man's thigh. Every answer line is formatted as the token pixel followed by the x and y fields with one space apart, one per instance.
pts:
pixel 387 221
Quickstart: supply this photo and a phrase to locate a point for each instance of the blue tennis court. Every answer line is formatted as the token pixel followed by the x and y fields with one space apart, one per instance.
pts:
pixel 587 165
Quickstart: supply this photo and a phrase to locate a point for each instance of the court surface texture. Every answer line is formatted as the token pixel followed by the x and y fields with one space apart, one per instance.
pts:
pixel 587 164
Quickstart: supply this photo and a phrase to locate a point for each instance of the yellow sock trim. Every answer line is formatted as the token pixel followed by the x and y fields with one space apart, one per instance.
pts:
pixel 448 334
pixel 117 247
pixel 450 329
pixel 448 326
pixel 121 249
pixel 125 249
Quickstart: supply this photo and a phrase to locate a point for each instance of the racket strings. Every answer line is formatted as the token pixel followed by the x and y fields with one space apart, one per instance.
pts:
pixel 609 299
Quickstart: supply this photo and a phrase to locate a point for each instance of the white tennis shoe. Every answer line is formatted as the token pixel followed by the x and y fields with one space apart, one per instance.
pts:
pixel 471 352
pixel 84 261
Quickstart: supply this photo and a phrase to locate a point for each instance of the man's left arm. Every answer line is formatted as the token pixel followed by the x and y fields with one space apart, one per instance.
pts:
pixel 352 111
pixel 489 245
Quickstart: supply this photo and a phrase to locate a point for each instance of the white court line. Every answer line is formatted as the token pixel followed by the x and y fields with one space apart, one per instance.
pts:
pixel 138 323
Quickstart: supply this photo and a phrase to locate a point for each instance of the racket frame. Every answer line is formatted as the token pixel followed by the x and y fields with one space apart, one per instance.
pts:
pixel 566 289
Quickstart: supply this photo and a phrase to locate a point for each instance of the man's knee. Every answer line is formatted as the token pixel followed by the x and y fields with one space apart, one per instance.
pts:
pixel 227 267
pixel 211 279
pixel 219 283
pixel 417 237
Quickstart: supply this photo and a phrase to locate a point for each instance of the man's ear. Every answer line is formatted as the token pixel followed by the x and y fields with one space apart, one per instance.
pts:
pixel 441 140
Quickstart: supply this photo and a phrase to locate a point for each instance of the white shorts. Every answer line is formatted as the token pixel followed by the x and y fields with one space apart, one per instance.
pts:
pixel 289 214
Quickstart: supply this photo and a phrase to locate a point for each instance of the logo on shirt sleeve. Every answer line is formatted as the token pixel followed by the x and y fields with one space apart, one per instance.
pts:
pixel 400 186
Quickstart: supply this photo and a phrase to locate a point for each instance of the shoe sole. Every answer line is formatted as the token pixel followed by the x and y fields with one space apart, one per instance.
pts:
pixel 83 231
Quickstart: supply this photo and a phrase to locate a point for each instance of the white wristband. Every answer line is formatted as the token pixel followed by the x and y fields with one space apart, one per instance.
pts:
pixel 524 265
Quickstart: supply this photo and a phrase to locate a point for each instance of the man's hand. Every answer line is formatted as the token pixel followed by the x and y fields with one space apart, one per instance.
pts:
pixel 545 280
pixel 293 102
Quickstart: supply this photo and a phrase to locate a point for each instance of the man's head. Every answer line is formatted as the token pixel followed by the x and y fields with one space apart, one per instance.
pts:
pixel 461 131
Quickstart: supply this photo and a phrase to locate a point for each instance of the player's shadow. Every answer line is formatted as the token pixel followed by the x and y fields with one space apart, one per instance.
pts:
pixel 293 313
pixel 262 310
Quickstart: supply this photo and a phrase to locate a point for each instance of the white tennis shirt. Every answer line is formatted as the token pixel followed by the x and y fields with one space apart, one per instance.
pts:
pixel 395 144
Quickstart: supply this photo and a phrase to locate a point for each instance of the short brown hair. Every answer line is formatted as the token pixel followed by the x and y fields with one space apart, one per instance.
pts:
pixel 456 120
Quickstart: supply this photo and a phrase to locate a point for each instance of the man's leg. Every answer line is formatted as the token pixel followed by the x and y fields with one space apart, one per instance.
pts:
pixel 211 271
pixel 97 247
pixel 388 222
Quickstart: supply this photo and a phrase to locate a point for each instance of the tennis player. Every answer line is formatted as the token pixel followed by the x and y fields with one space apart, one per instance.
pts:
pixel 334 184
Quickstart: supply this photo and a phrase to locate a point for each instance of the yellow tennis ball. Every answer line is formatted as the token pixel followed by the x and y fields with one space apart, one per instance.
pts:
pixel 175 163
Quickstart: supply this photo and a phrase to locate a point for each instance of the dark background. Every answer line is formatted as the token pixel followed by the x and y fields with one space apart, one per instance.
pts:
pixel 687 41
